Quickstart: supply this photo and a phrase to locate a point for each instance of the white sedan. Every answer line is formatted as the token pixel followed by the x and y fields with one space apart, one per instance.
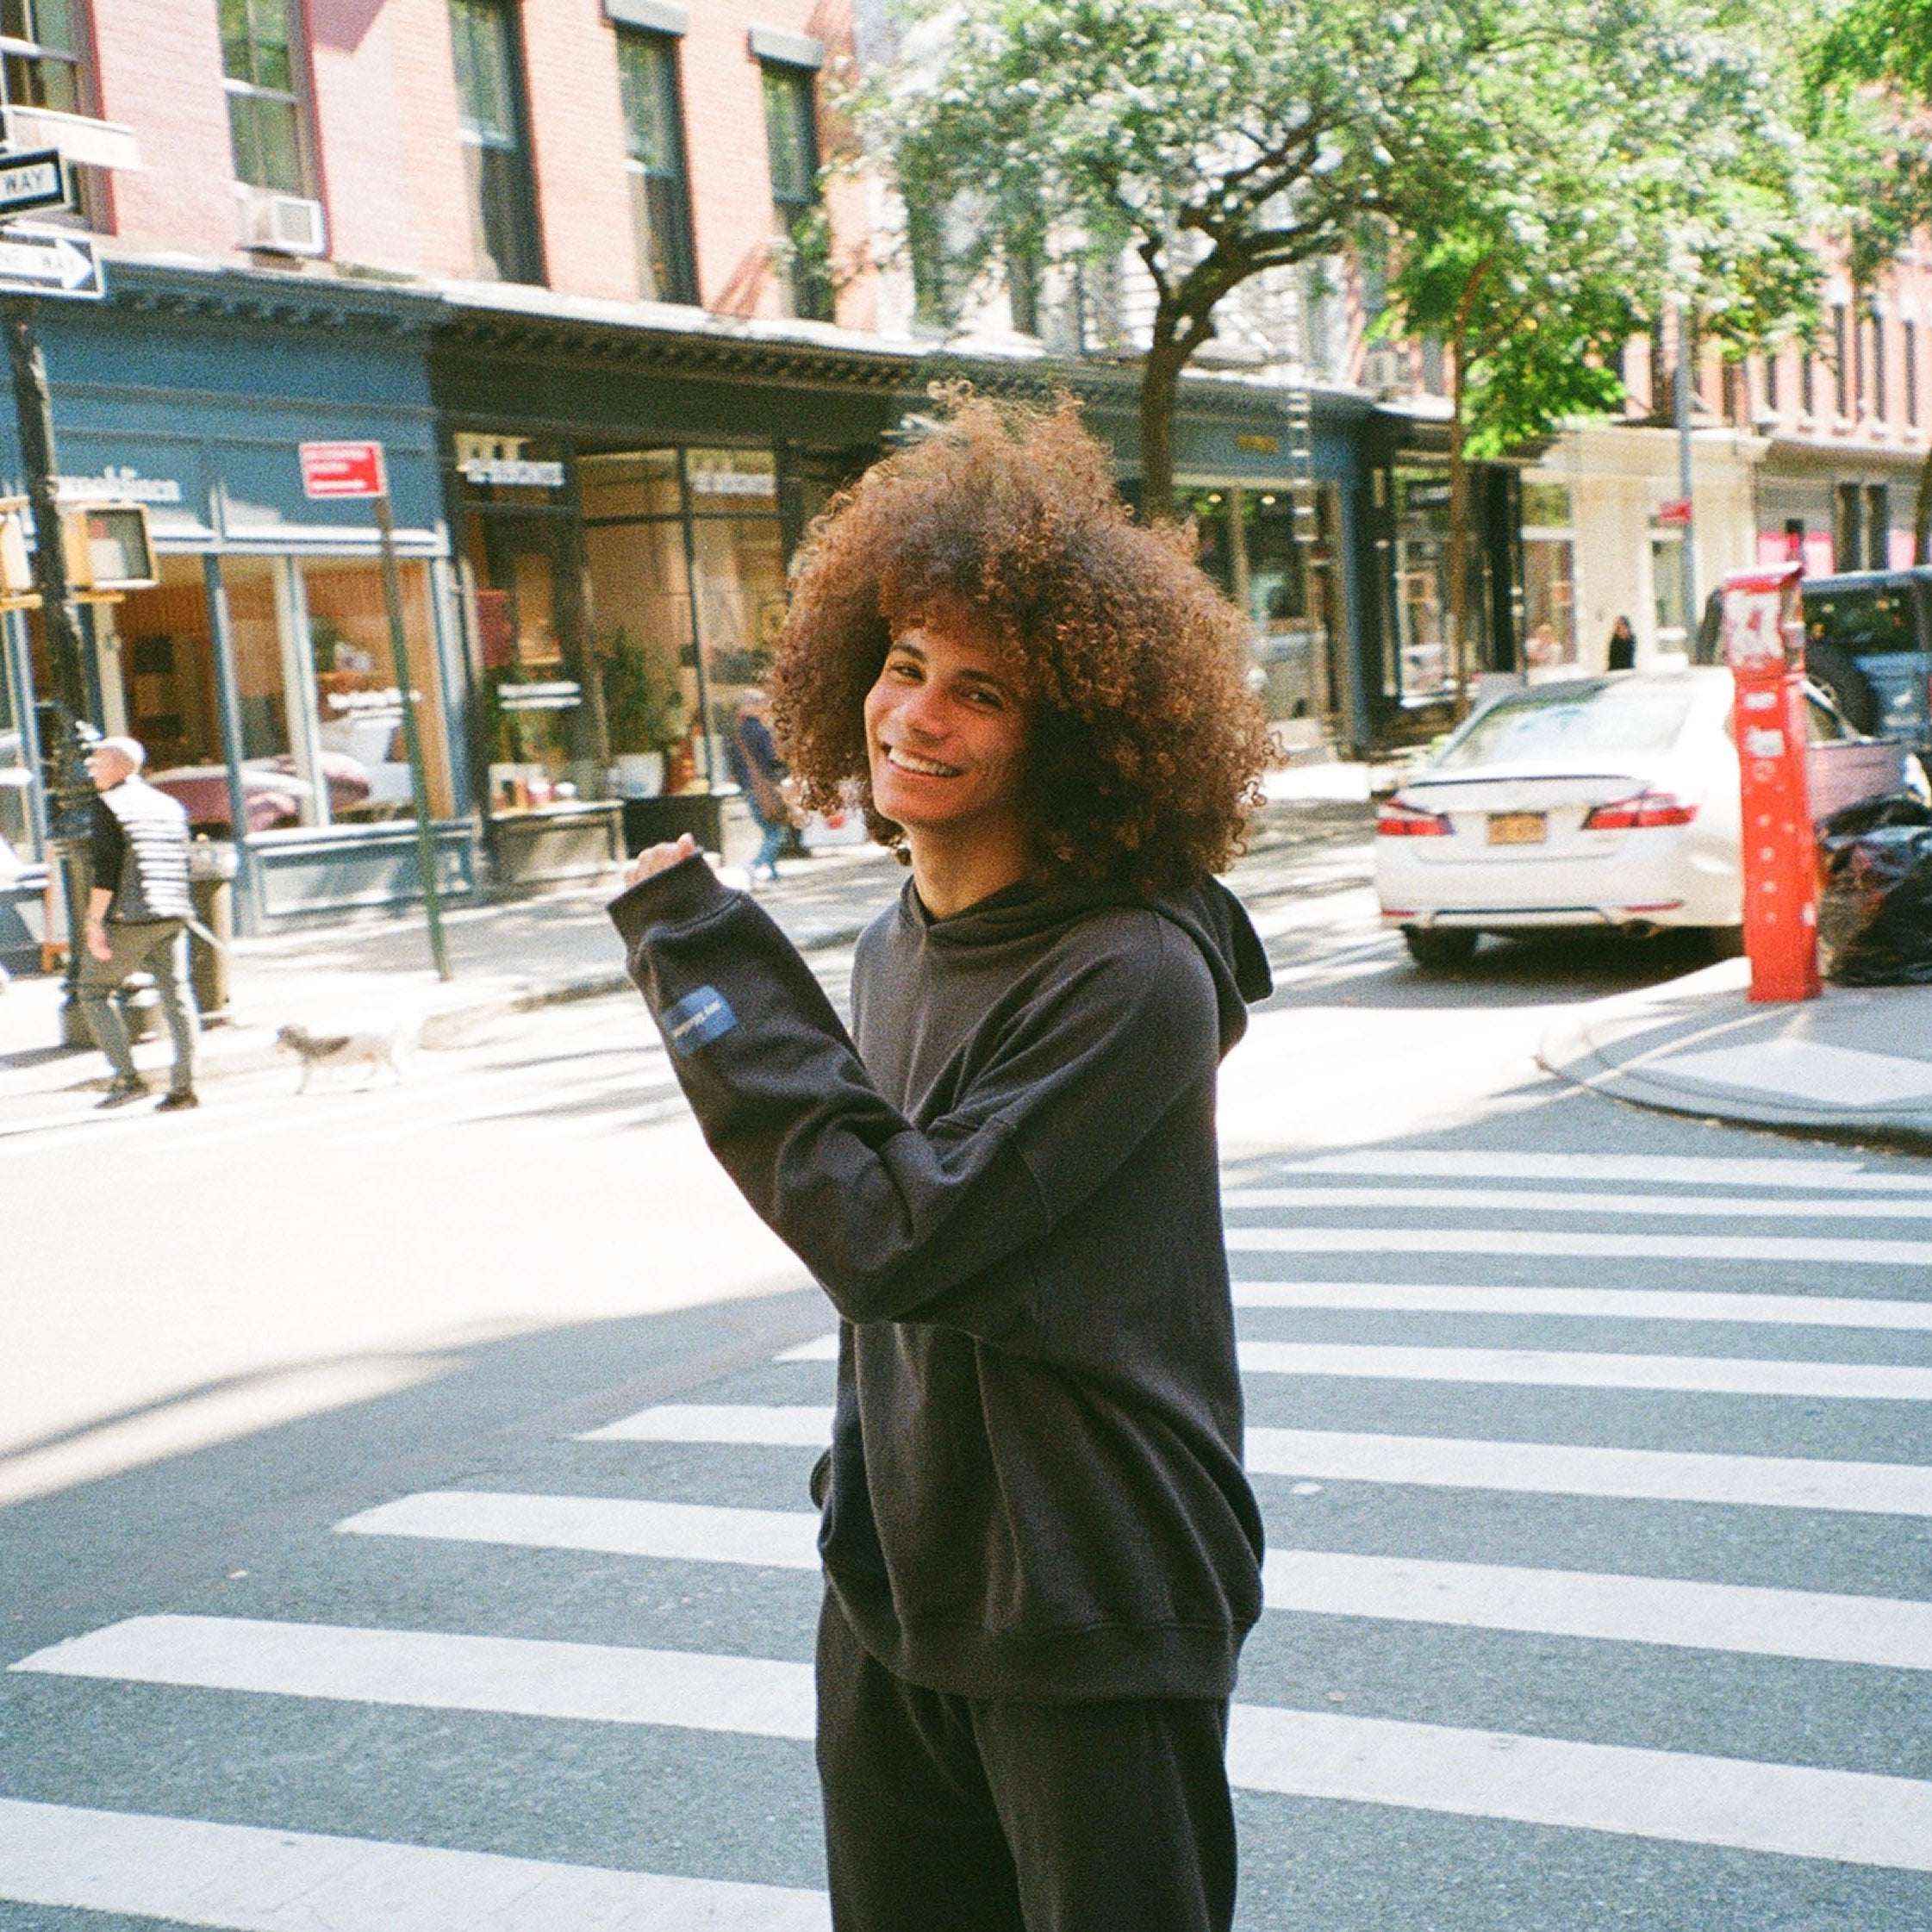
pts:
pixel 1608 801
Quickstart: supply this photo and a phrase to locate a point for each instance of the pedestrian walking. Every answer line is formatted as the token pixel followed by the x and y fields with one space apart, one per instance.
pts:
pixel 138 910
pixel 1041 1553
pixel 760 774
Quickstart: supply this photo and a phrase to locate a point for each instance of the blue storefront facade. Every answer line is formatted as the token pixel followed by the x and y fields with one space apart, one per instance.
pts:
pixel 257 671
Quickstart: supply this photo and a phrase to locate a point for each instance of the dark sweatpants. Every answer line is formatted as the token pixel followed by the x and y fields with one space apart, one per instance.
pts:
pixel 954 1814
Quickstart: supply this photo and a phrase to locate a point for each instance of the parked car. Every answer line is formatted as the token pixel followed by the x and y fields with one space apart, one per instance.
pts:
pixel 1867 644
pixel 1608 801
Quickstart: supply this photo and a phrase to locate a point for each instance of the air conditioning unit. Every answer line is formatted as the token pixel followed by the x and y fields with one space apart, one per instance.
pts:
pixel 283 224
pixel 1385 370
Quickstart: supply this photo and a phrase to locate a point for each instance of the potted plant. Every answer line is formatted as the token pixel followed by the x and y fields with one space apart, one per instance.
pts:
pixel 645 714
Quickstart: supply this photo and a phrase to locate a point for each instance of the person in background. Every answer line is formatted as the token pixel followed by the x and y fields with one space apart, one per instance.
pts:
pixel 1621 652
pixel 138 909
pixel 1041 1553
pixel 760 774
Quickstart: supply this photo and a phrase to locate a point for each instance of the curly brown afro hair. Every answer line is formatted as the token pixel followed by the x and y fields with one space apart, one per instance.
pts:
pixel 1145 746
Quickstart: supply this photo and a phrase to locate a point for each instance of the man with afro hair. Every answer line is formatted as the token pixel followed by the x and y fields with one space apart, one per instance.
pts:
pixel 1041 1553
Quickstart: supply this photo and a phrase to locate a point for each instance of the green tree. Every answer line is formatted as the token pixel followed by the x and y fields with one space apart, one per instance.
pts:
pixel 1565 218
pixel 1215 139
pixel 1869 69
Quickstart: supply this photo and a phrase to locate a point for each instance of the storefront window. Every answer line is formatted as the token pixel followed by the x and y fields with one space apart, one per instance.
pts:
pixel 363 751
pixel 542 720
pixel 655 569
pixel 1422 591
pixel 1549 577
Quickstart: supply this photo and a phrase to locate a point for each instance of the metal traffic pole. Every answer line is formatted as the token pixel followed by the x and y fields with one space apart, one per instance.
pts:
pixel 412 738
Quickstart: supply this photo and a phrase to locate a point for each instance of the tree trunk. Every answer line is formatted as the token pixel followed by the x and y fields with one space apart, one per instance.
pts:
pixel 1159 381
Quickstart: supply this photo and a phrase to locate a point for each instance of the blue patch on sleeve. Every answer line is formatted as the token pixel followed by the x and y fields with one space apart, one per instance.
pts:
pixel 697 1019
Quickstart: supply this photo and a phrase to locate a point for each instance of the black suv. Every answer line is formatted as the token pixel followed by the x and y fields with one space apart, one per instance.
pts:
pixel 1867 642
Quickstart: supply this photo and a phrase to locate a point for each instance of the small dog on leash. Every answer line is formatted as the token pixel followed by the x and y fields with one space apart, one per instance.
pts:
pixel 366 1048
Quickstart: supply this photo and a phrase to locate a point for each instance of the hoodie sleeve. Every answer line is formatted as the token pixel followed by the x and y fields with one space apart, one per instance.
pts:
pixel 899 1223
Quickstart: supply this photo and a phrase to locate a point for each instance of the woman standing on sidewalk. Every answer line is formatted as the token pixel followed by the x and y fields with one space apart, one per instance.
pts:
pixel 1041 1553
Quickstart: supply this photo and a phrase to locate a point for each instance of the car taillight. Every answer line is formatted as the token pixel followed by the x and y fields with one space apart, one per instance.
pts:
pixel 1397 820
pixel 1646 809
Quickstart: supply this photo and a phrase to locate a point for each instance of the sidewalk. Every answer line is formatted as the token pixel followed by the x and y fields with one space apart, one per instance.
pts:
pixel 1853 1064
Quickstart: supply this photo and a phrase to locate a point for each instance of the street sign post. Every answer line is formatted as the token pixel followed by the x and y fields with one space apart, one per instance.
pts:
pixel 49 262
pixel 31 183
pixel 339 470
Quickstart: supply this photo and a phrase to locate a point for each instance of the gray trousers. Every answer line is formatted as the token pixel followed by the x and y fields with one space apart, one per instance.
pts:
pixel 156 946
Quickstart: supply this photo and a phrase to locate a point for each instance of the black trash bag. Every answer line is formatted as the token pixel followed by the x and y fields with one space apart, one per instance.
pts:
pixel 1875 915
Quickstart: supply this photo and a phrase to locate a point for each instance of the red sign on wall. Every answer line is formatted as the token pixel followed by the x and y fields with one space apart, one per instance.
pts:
pixel 343 469
pixel 1674 512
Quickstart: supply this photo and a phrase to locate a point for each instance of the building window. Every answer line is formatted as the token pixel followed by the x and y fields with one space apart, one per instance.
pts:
pixel 1771 361
pixel 1880 412
pixel 260 69
pixel 791 127
pixel 654 151
pixel 1807 383
pixel 40 66
pixel 495 150
pixel 1841 362
pixel 1909 330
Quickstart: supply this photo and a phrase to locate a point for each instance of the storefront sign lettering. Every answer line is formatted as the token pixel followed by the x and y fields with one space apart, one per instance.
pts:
pixel 560 695
pixel 733 483
pixel 122 485
pixel 513 472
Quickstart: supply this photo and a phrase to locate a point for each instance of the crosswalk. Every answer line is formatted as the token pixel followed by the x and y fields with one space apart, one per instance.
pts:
pixel 1601 1540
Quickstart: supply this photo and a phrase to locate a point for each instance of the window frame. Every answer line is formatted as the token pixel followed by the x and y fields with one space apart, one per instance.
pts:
pixel 510 247
pixel 90 187
pixel 808 287
pixel 294 97
pixel 638 47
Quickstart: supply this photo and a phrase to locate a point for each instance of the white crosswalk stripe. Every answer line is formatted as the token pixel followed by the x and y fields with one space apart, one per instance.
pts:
pixel 1542 1200
pixel 1713 1801
pixel 252 1879
pixel 1785 1251
pixel 1424 1462
pixel 1641 1305
pixel 1855 1381
pixel 1640 1169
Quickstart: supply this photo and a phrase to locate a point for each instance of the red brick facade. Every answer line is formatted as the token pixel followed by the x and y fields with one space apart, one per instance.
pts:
pixel 388 168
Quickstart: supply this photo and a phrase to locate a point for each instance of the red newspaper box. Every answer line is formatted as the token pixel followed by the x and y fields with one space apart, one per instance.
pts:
pixel 1764 644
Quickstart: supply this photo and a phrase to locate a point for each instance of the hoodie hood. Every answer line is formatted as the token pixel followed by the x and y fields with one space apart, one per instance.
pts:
pixel 1206 911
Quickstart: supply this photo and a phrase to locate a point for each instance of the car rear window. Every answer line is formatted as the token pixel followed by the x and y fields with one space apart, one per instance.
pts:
pixel 1871 621
pixel 1558 720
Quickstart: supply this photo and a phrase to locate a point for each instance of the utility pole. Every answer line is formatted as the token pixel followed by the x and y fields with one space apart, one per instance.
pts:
pixel 68 785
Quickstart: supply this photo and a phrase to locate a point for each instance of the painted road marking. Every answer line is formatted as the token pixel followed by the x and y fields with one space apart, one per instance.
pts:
pixel 693 1422
pixel 1783 1249
pixel 1643 1169
pixel 1852 1381
pixel 249 1880
pixel 596 1683
pixel 1568 1469
pixel 1886 1632
pixel 1791 1810
pixel 1524 1200
pixel 821 1348
pixel 1436 1462
pixel 1646 1305
pixel 781 1539
pixel 241 1877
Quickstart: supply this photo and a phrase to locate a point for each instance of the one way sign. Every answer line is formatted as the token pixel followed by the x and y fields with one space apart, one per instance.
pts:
pixel 36 262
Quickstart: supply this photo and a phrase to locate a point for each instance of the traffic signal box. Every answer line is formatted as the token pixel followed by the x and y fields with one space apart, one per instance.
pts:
pixel 1764 644
pixel 108 548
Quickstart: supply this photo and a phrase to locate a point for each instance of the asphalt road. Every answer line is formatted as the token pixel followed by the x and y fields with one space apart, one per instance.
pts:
pixel 402 1524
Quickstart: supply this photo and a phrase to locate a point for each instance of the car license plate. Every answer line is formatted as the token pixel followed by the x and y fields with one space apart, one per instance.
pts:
pixel 1517 828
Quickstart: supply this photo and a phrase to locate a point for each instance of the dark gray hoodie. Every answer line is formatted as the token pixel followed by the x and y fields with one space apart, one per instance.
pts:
pixel 1009 1187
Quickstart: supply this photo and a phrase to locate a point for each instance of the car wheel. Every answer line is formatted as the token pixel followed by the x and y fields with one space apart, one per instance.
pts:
pixel 1439 949
pixel 1833 670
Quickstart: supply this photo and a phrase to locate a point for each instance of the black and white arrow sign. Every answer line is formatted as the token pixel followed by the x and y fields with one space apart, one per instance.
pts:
pixel 48 264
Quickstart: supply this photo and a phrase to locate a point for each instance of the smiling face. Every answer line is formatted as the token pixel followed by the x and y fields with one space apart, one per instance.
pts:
pixel 945 735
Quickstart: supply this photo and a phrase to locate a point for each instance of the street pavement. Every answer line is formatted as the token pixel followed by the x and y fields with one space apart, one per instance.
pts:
pixel 1594 1447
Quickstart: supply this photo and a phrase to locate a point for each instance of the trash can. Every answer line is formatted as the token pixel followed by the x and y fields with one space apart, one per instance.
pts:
pixel 211 870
